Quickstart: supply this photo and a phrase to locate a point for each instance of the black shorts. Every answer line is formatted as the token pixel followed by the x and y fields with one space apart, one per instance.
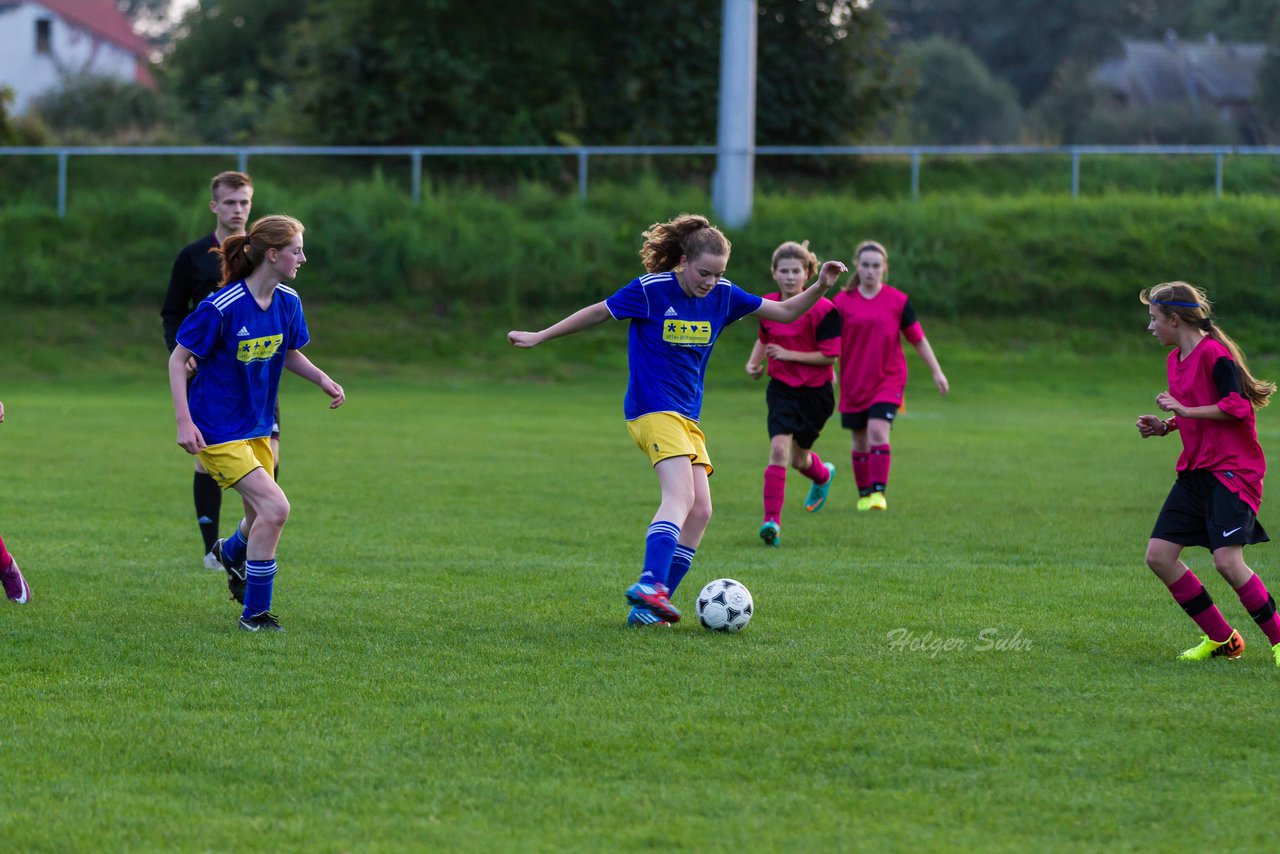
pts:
pixel 1201 511
pixel 799 412
pixel 275 423
pixel 858 420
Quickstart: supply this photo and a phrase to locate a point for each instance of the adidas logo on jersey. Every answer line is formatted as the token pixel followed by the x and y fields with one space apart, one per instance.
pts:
pixel 242 333
pixel 671 312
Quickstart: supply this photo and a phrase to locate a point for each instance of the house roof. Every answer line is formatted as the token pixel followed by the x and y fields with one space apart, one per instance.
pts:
pixel 1170 70
pixel 102 18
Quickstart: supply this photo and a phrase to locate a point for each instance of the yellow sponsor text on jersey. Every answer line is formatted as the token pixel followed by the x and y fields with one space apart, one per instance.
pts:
pixel 686 332
pixel 258 349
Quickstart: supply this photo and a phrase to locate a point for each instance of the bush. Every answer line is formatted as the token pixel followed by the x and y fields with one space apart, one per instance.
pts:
pixel 466 254
pixel 957 100
pixel 92 110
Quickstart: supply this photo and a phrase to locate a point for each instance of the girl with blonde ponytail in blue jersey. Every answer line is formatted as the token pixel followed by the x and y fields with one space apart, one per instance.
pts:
pixel 676 310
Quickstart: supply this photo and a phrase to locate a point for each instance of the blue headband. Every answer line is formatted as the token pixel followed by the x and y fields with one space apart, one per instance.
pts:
pixel 1173 303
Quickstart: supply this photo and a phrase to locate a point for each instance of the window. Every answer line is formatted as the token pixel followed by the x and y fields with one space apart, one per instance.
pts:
pixel 43 28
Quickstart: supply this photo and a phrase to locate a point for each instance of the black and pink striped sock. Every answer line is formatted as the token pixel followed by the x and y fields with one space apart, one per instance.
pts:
pixel 878 467
pixel 1195 600
pixel 1258 602
pixel 862 471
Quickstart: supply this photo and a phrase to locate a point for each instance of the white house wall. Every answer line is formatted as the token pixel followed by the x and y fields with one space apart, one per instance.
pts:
pixel 73 51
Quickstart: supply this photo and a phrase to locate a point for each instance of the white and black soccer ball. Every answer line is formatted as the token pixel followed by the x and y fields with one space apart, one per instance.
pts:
pixel 724 605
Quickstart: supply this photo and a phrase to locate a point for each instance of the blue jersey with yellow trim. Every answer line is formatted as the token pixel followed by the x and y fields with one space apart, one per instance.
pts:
pixel 241 347
pixel 671 338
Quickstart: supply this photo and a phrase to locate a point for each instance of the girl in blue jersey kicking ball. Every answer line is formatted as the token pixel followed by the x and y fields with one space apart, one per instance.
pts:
pixel 676 311
pixel 244 334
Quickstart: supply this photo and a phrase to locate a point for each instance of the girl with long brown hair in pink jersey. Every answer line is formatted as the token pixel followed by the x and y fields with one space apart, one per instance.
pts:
pixel 875 317
pixel 1214 501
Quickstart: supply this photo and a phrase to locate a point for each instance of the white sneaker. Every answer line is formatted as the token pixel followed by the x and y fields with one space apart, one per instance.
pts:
pixel 211 562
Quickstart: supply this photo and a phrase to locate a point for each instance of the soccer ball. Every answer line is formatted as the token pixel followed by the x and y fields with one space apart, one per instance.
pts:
pixel 724 605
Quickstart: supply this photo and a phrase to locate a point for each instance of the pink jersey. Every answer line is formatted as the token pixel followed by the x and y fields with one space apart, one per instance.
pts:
pixel 815 331
pixel 1229 449
pixel 873 368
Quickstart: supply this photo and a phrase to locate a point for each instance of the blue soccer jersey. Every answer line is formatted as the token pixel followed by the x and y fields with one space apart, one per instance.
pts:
pixel 241 347
pixel 671 338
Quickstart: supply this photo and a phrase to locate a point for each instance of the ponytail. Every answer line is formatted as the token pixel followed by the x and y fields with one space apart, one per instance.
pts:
pixel 241 253
pixel 1191 306
pixel 687 235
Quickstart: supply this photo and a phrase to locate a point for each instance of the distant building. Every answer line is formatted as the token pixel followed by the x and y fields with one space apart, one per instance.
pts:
pixel 1205 77
pixel 45 42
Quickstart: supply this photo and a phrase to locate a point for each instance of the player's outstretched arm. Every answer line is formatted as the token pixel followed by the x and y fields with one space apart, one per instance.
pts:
pixel 583 318
pixel 303 367
pixel 189 437
pixel 789 309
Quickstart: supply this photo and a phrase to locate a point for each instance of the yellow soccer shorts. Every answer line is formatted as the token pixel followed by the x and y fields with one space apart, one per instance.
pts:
pixel 663 435
pixel 227 462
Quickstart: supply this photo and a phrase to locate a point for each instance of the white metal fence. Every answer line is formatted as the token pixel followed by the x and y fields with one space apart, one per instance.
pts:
pixel 916 154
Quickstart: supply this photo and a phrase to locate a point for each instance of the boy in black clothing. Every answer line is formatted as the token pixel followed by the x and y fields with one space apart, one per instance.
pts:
pixel 196 274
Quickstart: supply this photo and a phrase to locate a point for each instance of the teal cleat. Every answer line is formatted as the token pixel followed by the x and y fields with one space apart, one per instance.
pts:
pixel 818 494
pixel 770 533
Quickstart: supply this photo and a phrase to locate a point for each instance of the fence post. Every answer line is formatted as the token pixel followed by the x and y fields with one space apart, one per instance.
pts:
pixel 915 174
pixel 417 177
pixel 242 162
pixel 62 184
pixel 1217 178
pixel 582 173
pixel 1075 173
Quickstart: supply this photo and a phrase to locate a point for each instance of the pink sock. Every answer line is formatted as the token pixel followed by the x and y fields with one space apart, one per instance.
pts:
pixel 816 471
pixel 1190 594
pixel 878 467
pixel 1257 601
pixel 862 469
pixel 5 559
pixel 775 489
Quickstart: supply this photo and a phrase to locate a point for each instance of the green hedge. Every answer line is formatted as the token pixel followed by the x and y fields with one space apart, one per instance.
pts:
pixel 535 250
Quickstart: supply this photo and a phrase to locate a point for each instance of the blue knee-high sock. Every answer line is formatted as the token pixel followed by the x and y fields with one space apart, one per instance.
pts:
pixel 659 546
pixel 234 547
pixel 260 576
pixel 680 562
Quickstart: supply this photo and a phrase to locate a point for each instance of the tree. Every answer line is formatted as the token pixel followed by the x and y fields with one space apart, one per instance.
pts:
pixel 1026 42
pixel 957 100
pixel 575 71
pixel 152 18
pixel 226 68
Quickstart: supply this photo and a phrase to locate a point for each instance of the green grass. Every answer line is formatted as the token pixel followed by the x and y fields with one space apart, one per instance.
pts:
pixel 456 675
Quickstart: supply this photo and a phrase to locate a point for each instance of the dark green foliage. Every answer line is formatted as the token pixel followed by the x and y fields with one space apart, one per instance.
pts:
pixel 535 253
pixel 89 109
pixel 957 101
pixel 1022 42
pixel 432 72
pixel 227 69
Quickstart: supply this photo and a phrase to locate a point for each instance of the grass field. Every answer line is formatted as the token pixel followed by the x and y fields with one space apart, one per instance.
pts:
pixel 987 666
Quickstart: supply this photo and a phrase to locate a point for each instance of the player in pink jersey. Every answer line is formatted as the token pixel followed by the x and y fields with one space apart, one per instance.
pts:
pixel 15 586
pixel 873 370
pixel 1214 502
pixel 800 399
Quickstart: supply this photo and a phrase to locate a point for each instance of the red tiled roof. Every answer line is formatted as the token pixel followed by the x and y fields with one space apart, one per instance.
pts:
pixel 102 18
